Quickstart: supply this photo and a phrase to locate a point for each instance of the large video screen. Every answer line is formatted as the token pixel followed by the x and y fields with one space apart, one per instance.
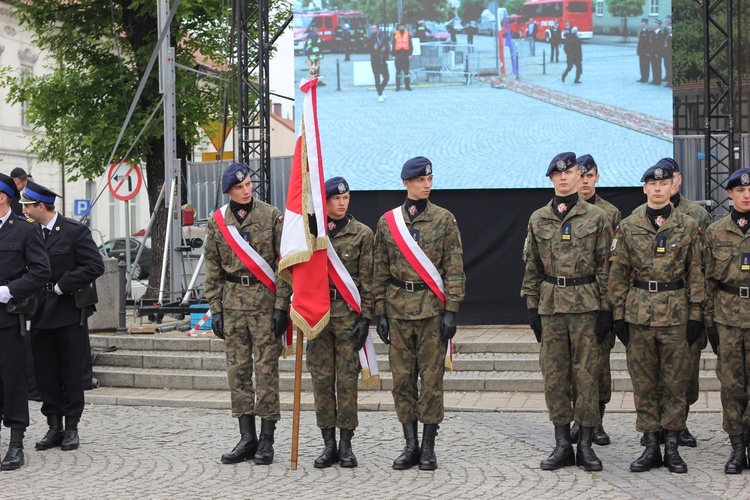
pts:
pixel 594 83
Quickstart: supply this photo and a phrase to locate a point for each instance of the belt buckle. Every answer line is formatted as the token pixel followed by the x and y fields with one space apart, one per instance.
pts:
pixel 409 286
pixel 245 280
pixel 653 286
pixel 562 281
pixel 745 292
pixel 333 293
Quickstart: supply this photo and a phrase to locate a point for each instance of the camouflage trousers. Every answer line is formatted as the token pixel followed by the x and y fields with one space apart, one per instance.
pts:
pixel 334 367
pixel 569 357
pixel 604 378
pixel 692 384
pixel 417 352
pixel 251 348
pixel 658 361
pixel 733 370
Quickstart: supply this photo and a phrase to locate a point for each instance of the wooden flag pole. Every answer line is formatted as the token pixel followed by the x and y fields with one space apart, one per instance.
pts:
pixel 297 398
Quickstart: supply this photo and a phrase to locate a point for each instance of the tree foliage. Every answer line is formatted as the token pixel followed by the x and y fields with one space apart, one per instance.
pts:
pixel 513 6
pixel 625 8
pixel 471 10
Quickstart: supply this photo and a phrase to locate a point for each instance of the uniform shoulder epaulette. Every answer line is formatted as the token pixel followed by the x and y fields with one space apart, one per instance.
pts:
pixel 27 219
pixel 73 221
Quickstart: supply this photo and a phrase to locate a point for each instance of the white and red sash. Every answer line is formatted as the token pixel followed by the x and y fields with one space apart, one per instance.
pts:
pixel 252 260
pixel 350 293
pixel 422 264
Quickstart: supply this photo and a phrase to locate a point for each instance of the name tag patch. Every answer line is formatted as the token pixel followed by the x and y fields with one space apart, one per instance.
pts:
pixel 567 231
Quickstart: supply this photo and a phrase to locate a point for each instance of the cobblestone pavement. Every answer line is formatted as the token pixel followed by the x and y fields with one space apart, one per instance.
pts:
pixel 148 452
pixel 484 136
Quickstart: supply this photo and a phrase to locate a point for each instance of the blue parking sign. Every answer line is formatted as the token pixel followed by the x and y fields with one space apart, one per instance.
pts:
pixel 80 207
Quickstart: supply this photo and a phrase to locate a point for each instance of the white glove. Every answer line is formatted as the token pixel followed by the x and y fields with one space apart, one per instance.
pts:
pixel 57 289
pixel 5 295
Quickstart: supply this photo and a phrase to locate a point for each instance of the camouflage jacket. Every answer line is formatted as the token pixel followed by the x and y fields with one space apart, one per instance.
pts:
pixel 353 244
pixel 724 247
pixel 441 242
pixel 691 208
pixel 612 211
pixel 263 227
pixel 585 253
pixel 634 256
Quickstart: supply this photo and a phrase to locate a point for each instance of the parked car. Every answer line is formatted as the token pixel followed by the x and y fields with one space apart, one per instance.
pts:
pixel 115 247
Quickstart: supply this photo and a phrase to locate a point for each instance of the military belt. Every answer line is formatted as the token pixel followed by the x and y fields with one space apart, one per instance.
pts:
pixel 659 286
pixel 741 291
pixel 243 280
pixel 410 286
pixel 334 294
pixel 563 282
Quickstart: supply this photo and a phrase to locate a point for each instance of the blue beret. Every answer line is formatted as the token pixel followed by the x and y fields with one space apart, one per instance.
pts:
pixel 658 172
pixel 8 185
pixel 585 163
pixel 233 174
pixel 562 162
pixel 739 177
pixel 644 20
pixel 35 193
pixel 416 167
pixel 336 185
pixel 657 21
pixel 669 162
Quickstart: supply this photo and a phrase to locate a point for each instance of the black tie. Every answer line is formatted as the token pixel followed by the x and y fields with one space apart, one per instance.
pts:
pixel 46 232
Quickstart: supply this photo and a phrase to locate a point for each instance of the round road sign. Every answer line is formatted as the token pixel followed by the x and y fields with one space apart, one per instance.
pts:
pixel 125 180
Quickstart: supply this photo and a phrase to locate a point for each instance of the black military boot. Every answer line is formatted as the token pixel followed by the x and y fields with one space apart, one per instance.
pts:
pixel 54 436
pixel 70 439
pixel 672 458
pixel 562 455
pixel 427 458
pixel 410 456
pixel 264 455
pixel 685 438
pixel 737 460
pixel 600 435
pixel 248 444
pixel 346 455
pixel 14 458
pixel 585 456
pixel 330 454
pixel 651 456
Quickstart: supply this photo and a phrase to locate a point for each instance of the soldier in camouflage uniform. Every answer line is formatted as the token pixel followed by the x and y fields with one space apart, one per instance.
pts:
pixel 332 357
pixel 411 317
pixel 656 289
pixel 565 284
pixel 247 314
pixel 587 192
pixel 727 313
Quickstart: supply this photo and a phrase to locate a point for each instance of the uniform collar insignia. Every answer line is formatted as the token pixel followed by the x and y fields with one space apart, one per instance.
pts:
pixel 660 220
pixel 742 222
pixel 562 208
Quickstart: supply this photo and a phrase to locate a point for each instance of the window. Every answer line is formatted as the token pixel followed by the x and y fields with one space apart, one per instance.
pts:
pixel 580 6
pixel 653 8
pixel 599 7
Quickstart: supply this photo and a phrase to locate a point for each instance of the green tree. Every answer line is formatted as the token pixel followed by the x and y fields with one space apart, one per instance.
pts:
pixel 99 53
pixel 386 11
pixel 625 9
pixel 471 10
pixel 514 6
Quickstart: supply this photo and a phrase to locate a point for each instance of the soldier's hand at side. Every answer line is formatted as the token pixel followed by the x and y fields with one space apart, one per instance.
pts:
pixel 448 326
pixel 605 321
pixel 383 328
pixel 694 329
pixel 279 322
pixel 535 322
pixel 217 324
pixel 358 335
pixel 713 337
pixel 622 331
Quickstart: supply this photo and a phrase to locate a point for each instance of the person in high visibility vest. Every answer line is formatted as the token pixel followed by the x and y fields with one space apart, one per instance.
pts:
pixel 402 49
pixel 312 51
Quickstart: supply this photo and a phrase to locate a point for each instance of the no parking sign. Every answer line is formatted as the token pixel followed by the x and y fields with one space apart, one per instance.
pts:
pixel 125 180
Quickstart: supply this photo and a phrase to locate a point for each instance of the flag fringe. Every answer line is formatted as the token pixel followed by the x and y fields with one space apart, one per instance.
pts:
pixel 310 331
pixel 369 381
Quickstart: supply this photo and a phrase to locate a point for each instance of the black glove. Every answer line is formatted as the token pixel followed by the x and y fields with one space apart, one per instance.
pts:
pixel 358 335
pixel 279 322
pixel 713 337
pixel 448 326
pixel 694 329
pixel 536 323
pixel 622 331
pixel 605 321
pixel 383 328
pixel 217 324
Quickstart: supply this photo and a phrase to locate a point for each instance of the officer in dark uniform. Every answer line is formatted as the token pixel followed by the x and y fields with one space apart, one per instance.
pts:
pixel 20 177
pixel 644 45
pixel 656 52
pixel 59 335
pixel 24 268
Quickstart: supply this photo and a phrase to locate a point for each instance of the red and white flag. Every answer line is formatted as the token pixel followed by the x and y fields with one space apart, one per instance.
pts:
pixel 303 248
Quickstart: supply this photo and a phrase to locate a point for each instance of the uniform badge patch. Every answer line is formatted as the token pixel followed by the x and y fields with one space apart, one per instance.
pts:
pixel 658 173
pixel 240 175
pixel 428 169
pixel 561 165
pixel 745 179
pixel 342 187
pixel 562 208
pixel 331 226
pixel 412 210
pixel 660 221
pixel 242 212
pixel 742 222
pixel 745 262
